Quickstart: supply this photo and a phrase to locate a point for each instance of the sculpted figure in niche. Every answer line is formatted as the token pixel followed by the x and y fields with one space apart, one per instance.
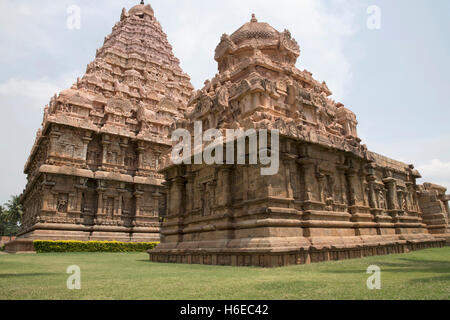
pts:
pixel 382 199
pixel 330 187
pixel 63 203
pixel 322 186
pixel 223 97
pixel 404 203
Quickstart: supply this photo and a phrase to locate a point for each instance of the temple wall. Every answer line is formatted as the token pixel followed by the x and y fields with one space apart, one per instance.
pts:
pixel 89 184
pixel 433 203
pixel 319 199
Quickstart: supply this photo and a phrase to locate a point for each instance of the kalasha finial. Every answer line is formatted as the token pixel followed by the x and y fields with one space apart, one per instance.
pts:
pixel 254 18
pixel 142 2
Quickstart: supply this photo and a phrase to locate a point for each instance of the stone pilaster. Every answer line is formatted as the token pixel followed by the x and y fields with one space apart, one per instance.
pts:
pixel 86 140
pixel 100 192
pixel 138 198
pixel 105 146
pixel 308 166
pixel 392 200
pixel 341 172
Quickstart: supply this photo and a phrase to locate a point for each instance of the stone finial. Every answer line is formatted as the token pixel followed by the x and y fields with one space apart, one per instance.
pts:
pixel 142 2
pixel 253 18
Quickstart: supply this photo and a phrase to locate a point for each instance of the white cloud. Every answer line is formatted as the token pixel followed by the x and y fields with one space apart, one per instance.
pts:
pixel 24 10
pixel 321 28
pixel 38 91
pixel 436 171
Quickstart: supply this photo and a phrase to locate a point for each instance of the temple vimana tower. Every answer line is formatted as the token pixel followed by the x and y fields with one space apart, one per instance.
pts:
pixel 93 171
pixel 99 169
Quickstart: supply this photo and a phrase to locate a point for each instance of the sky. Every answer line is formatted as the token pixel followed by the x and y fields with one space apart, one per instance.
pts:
pixel 390 65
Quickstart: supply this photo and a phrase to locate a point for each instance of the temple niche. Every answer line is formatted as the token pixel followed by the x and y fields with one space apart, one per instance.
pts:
pixel 93 170
pixel 331 199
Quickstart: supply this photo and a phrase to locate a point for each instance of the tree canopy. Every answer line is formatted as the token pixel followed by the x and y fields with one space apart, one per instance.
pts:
pixel 10 217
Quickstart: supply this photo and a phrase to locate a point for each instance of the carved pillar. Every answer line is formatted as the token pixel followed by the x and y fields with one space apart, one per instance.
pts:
pixel 190 178
pixel 373 203
pixel 364 188
pixel 352 185
pixel 295 179
pixel 47 203
pixel 86 140
pixel 158 197
pixel 410 202
pixel 176 204
pixel 392 200
pixel 101 192
pixel 341 169
pixel 105 145
pixel 178 196
pixel 53 136
pixel 226 176
pixel 321 179
pixel 123 149
pixel 211 191
pixel 157 156
pixel 138 196
pixel 175 196
pixel 81 188
pixel 120 204
pixel 245 181
pixel 308 166
pixel 289 188
pixel 140 151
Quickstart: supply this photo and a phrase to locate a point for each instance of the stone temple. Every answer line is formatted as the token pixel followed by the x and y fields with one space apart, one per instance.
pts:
pixel 93 170
pixel 100 168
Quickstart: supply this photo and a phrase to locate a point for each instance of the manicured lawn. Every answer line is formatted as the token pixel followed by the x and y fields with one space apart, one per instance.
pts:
pixel 418 275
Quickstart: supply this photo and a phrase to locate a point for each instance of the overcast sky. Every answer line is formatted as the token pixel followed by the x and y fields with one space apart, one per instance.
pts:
pixel 396 79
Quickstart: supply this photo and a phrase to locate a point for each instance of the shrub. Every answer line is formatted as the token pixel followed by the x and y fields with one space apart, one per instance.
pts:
pixel 92 246
pixel 2 247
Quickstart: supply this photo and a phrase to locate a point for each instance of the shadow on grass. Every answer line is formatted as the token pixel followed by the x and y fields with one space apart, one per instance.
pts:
pixel 409 265
pixel 23 275
pixel 282 286
pixel 432 279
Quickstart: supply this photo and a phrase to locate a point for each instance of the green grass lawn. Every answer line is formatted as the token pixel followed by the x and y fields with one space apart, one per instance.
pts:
pixel 418 275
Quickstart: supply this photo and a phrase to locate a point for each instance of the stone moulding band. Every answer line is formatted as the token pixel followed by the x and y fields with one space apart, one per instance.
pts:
pixel 68 227
pixel 306 255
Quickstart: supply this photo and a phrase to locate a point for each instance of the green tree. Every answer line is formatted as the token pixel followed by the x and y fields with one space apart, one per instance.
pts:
pixel 2 222
pixel 13 210
pixel 11 216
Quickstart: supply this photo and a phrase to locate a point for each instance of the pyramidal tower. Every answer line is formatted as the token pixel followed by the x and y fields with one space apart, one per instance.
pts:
pixel 92 172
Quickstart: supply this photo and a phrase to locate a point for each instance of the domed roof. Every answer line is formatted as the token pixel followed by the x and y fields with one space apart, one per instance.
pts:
pixel 142 9
pixel 254 30
pixel 261 36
